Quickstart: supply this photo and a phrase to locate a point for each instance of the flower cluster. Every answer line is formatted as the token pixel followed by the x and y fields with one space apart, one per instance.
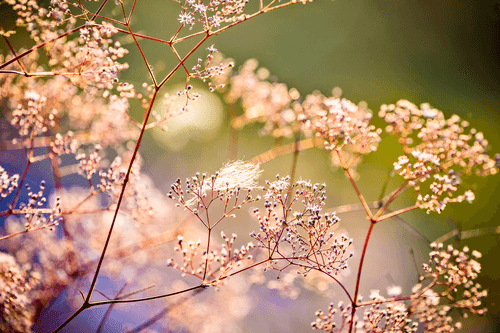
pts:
pixel 327 322
pixel 16 310
pixel 7 183
pixel 66 92
pixel 63 144
pixel 214 266
pixel 312 244
pixel 92 60
pixel 35 215
pixel 223 11
pixel 89 165
pixel 212 73
pixel 31 121
pixel 41 23
pixel 340 122
pixel 450 275
pixel 262 101
pixel 138 198
pixel 439 148
pixel 226 184
pixel 344 127
pixel 387 316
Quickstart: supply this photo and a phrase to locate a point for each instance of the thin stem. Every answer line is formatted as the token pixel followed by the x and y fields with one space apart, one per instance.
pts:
pixel 135 300
pixel 354 186
pixel 207 254
pixel 295 156
pixel 183 60
pixel 99 9
pixel 358 278
pixel 87 303
pixel 233 133
pixel 162 313
pixel 175 41
pixel 180 59
pixel 122 193
pixel 23 178
pixel 267 9
pixel 288 259
pixel 15 54
pixel 414 263
pixel 131 12
pixel 28 230
pixel 412 229
pixel 384 187
pixel 39 46
pixel 115 301
pixel 396 213
pixel 139 48
pixel 286 149
pixel 108 310
pixel 392 197
pixel 73 316
pixel 468 234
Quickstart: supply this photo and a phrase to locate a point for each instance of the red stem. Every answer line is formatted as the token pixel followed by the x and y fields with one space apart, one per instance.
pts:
pixel 358 278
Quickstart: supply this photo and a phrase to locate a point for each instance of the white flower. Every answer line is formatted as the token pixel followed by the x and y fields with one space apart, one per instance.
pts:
pixel 185 18
pixel 393 291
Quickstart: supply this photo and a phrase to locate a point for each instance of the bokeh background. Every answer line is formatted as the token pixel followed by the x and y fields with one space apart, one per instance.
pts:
pixel 441 52
pixel 445 53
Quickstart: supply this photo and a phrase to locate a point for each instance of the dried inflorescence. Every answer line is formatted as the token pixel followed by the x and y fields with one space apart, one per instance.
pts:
pixel 31 121
pixel 210 15
pixel 16 309
pixel 262 101
pixel 139 202
pixel 450 285
pixel 340 122
pixel 7 183
pixel 226 184
pixel 344 126
pixel 36 216
pixel 63 144
pixel 43 24
pixel 213 266
pixel 327 322
pixel 387 315
pixel 306 231
pixel 437 150
pixel 89 165
pixel 447 285
pixel 91 60
pixel 211 74
pixel 96 56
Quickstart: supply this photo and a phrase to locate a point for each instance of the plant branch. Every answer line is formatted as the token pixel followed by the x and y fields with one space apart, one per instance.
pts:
pixel 358 278
pixel 354 186
pixel 396 213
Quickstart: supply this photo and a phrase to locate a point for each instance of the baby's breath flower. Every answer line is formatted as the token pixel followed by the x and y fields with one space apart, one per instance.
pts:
pixel 456 271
